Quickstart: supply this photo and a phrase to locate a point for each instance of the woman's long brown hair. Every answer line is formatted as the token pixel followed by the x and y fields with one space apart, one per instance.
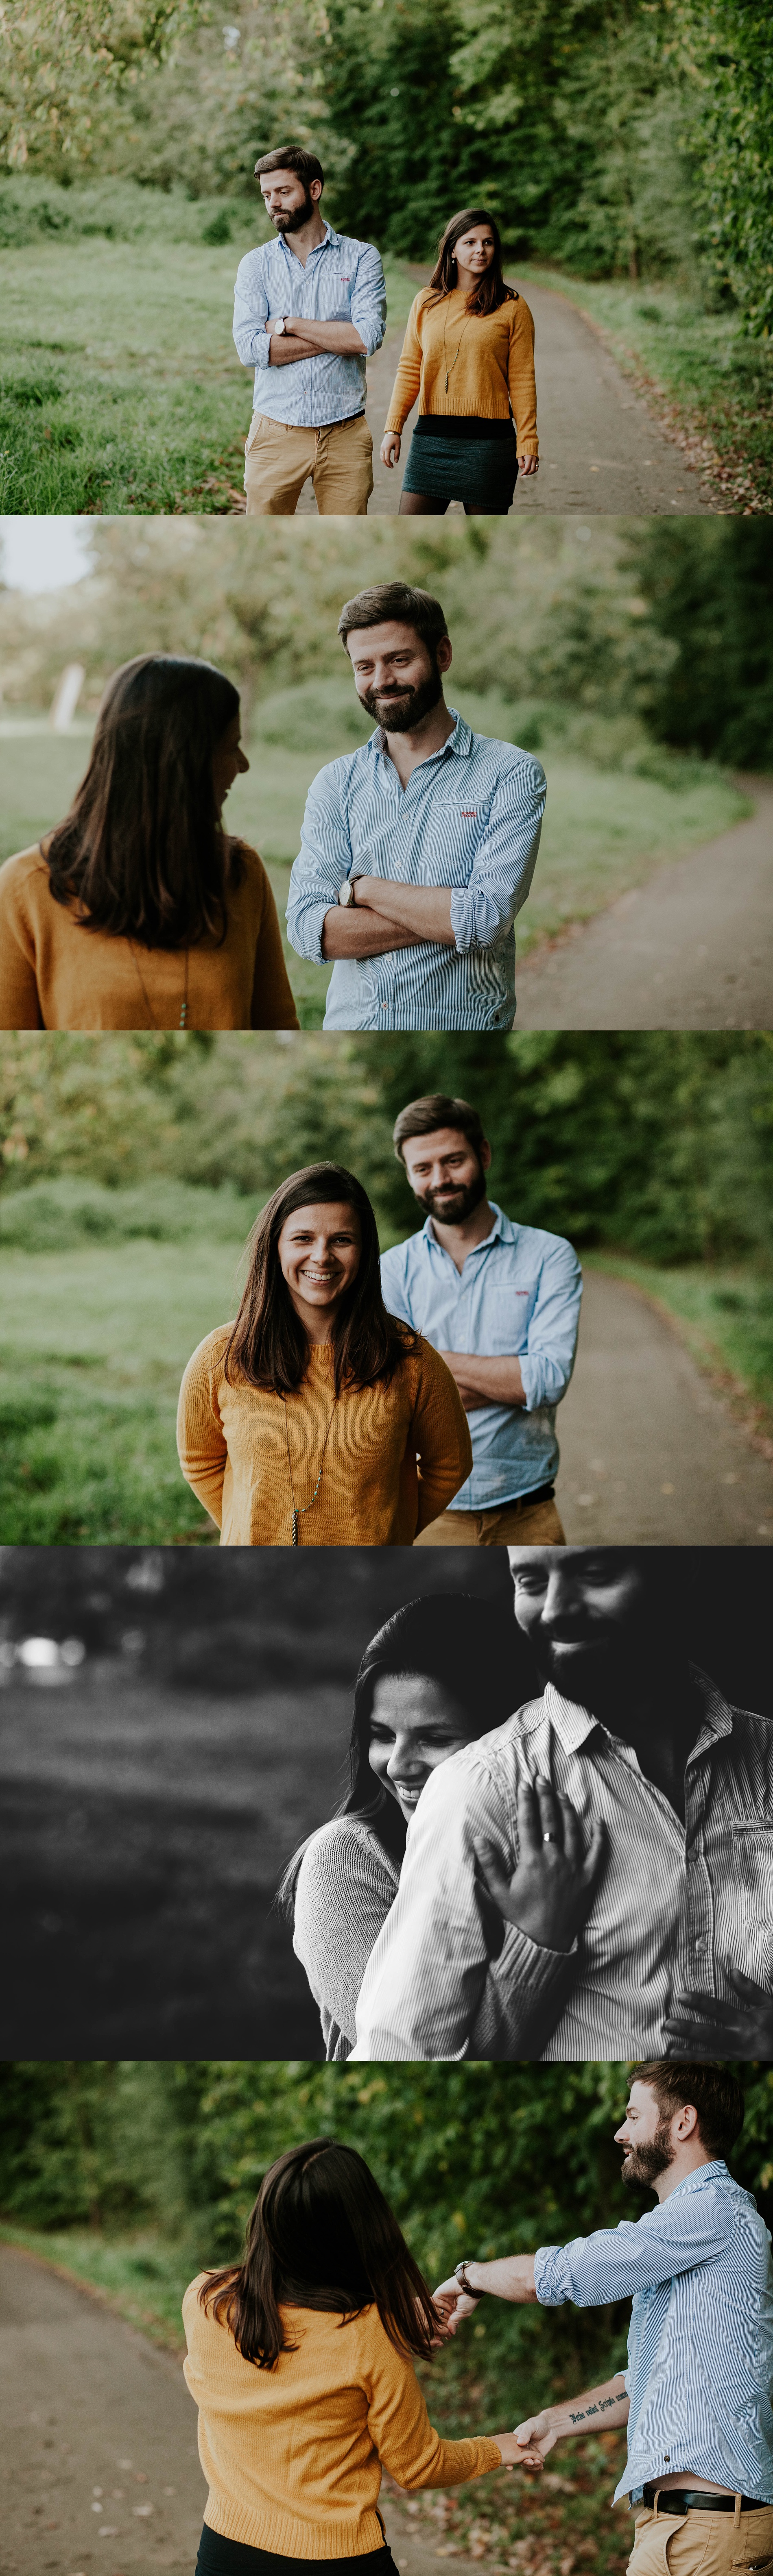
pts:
pixel 321 2235
pixel 142 851
pixel 269 1346
pixel 492 290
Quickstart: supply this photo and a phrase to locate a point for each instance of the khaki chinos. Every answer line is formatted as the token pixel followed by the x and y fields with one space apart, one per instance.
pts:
pixel 524 1523
pixel 701 2543
pixel 278 459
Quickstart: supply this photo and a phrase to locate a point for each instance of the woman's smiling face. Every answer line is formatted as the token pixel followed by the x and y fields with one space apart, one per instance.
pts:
pixel 415 1724
pixel 319 1255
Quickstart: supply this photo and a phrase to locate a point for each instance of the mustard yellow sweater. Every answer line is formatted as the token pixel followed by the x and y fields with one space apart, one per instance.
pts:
pixel 293 2455
pixel 395 1455
pixel 56 974
pixel 492 374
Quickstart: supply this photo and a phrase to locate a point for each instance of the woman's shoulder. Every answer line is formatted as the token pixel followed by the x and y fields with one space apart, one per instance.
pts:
pixel 210 1353
pixel 346 1845
pixel 18 874
pixel 249 862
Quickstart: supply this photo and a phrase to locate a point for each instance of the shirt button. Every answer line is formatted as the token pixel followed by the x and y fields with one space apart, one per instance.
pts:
pixel 385 1006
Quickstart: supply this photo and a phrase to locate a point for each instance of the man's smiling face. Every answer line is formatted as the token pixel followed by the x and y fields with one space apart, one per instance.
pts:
pixel 585 1610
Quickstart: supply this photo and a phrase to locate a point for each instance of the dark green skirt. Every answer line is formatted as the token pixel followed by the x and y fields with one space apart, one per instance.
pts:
pixel 479 471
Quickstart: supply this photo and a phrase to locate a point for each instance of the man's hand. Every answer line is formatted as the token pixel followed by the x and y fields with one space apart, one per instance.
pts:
pixel 511 2279
pixel 426 910
pixel 339 337
pixel 390 447
pixel 553 1884
pixel 536 2438
pixel 699 2026
pixel 514 2455
pixel 528 464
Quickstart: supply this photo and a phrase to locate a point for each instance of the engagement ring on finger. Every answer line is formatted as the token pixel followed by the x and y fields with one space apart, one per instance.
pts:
pixel 550 1838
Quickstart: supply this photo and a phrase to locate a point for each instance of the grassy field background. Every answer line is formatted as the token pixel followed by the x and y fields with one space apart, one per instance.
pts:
pixel 605 829
pixel 121 389
pixel 97 1334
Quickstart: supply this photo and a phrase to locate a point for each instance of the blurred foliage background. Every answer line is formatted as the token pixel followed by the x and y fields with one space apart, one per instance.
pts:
pixel 134 2174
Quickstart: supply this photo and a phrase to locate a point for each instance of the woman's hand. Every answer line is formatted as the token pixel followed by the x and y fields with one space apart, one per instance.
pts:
pixel 528 464
pixel 517 2454
pixel 390 447
pixel 452 2304
pixel 554 1882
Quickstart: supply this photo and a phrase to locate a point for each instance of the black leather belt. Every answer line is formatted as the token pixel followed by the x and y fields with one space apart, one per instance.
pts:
pixel 692 2499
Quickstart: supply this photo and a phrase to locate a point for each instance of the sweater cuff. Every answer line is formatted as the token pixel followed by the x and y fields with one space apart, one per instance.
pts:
pixel 527 446
pixel 394 428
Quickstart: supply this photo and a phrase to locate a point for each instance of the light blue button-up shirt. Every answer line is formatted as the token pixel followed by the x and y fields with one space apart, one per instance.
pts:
pixel 518 1296
pixel 470 818
pixel 343 281
pixel 700 2348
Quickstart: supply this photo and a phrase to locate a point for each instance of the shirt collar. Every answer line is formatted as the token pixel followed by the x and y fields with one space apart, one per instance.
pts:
pixel 331 238
pixel 495 1235
pixel 716 2171
pixel 573 1723
pixel 461 741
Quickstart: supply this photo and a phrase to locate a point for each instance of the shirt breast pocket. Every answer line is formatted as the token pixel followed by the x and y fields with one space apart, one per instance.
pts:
pixel 334 299
pixel 458 829
pixel 506 1316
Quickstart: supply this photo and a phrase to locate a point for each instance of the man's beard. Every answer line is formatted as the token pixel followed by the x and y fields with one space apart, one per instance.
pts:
pixel 453 1207
pixel 298 216
pixel 644 2164
pixel 401 714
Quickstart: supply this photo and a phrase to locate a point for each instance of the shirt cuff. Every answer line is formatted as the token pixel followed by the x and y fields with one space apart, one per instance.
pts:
pixel 262 348
pixel 304 930
pixel 476 920
pixel 552 2277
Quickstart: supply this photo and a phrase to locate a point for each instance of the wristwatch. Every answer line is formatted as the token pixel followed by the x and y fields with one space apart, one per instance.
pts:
pixel 460 2274
pixel 278 329
pixel 346 891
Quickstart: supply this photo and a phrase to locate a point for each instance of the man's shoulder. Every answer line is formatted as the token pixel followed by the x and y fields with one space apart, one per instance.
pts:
pixel 339 773
pixel 353 247
pixel 510 759
pixel 534 1239
pixel 257 258
pixel 400 1256
pixel 494 1758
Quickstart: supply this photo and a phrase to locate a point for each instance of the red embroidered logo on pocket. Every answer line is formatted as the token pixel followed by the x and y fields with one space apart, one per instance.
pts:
pixel 469 813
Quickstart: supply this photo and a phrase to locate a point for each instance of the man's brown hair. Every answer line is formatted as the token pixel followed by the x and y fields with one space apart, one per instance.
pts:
pixel 437 1109
pixel 715 2094
pixel 291 156
pixel 395 599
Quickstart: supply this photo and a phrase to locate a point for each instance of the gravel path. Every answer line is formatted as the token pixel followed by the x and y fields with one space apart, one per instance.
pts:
pixel 96 2416
pixel 692 949
pixel 601 451
pixel 649 1455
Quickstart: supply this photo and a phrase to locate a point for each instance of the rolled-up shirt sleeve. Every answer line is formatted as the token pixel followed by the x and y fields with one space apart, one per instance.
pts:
pixel 367 304
pixel 323 861
pixel 592 2271
pixel 483 911
pixel 546 1364
pixel 251 312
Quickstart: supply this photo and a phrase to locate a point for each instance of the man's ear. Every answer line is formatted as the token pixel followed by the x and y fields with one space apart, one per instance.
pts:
pixel 444 653
pixel 315 189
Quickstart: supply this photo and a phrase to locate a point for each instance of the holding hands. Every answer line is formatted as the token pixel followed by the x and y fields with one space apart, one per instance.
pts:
pixel 550 1893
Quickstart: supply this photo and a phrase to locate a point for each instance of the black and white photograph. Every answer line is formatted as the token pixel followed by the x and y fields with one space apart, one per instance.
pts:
pixel 492 1804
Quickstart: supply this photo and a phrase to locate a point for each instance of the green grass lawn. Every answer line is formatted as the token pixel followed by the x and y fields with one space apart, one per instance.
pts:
pixel 120 387
pixel 605 829
pixel 714 383
pixel 97 1333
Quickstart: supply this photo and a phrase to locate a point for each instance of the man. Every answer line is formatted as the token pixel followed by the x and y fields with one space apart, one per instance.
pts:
pixel 417 850
pixel 622 1825
pixel 696 2394
pixel 309 309
pixel 501 1301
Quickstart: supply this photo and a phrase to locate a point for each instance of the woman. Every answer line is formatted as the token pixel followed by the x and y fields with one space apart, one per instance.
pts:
pixel 468 353
pixel 317 1419
pixel 300 2360
pixel 139 911
pixel 439 1673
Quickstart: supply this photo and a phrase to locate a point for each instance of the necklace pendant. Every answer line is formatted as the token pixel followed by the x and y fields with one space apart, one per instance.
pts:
pixel 446 379
pixel 294 1540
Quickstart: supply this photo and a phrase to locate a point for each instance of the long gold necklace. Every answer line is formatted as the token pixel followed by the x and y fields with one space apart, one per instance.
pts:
pixel 450 369
pixel 182 1023
pixel 300 1509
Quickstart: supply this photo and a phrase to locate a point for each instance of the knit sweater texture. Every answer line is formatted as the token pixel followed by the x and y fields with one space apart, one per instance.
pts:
pixel 293 2455
pixel 347 1884
pixel 395 1455
pixel 492 375
pixel 55 973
